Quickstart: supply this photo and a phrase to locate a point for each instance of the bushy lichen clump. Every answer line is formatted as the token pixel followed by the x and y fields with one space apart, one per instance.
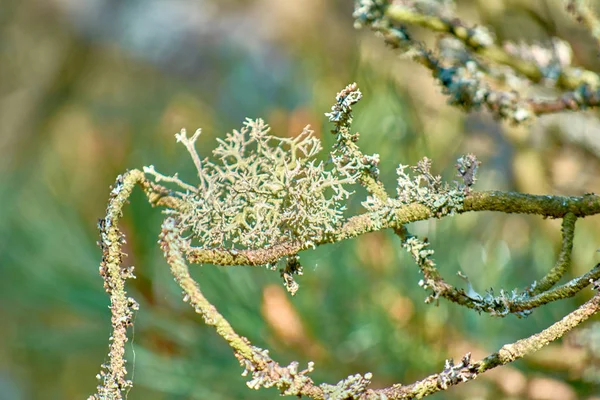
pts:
pixel 422 187
pixel 260 190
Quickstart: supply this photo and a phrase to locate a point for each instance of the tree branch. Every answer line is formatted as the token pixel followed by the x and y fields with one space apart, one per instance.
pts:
pixel 481 42
pixel 467 370
pixel 564 258
pixel 114 373
pixel 265 372
pixel 394 217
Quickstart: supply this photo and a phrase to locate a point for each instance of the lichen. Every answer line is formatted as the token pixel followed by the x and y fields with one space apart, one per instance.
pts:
pixel 422 187
pixel 350 388
pixel 259 189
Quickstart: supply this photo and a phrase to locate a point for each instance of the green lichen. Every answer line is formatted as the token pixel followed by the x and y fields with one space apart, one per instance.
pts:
pixel 350 388
pixel 259 190
pixel 422 187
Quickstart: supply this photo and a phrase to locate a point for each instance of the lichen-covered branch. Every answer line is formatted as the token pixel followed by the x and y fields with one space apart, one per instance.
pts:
pixel 400 214
pixel 567 290
pixel 581 98
pixel 257 257
pixel 113 375
pixel 467 370
pixel 173 247
pixel 433 280
pixel 505 303
pixel 265 372
pixel 511 352
pixel 482 42
pixel 583 12
pixel 545 206
pixel 472 76
pixel 564 258
pixel 346 152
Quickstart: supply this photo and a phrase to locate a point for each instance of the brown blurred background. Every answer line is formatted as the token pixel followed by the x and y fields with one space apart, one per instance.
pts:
pixel 91 88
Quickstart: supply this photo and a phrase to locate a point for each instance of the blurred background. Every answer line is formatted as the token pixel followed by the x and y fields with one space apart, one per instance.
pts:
pixel 91 88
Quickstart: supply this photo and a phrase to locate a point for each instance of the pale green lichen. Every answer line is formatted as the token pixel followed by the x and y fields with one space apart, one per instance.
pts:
pixel 290 380
pixel 346 154
pixel 259 189
pixel 350 388
pixel 422 187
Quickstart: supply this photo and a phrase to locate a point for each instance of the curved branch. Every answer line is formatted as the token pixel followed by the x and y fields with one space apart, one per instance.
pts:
pixel 564 258
pixel 514 303
pixel 114 373
pixel 567 290
pixel 173 247
pixel 265 371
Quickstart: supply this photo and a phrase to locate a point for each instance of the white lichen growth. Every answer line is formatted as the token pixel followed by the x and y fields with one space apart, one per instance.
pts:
pixel 353 387
pixel 259 189
pixel 418 185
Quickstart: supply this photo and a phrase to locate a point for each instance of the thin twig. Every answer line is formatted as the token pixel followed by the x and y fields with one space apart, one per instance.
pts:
pixel 506 303
pixel 564 258
pixel 190 145
pixel 581 98
pixel 265 372
pixel 567 290
pixel 114 373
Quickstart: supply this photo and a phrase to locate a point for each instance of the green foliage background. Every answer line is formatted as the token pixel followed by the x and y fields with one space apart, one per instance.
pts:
pixel 80 104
